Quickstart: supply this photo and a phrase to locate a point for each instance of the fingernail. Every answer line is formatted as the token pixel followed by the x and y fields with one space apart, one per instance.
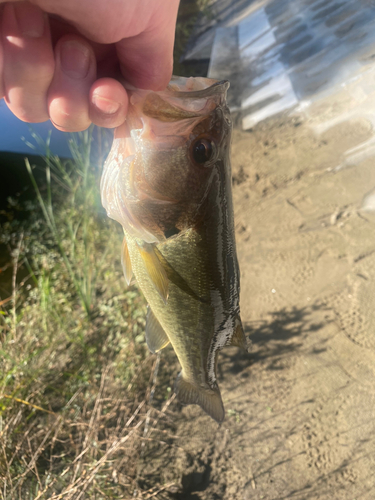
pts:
pixel 104 105
pixel 30 19
pixel 75 59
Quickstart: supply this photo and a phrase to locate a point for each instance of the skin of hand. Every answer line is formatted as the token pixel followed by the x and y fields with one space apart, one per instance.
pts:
pixel 61 59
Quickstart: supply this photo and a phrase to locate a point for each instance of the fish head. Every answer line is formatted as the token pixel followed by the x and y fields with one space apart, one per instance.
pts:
pixel 160 169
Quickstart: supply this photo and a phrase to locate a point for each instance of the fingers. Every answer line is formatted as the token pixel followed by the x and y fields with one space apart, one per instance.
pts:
pixel 108 103
pixel 28 64
pixel 36 88
pixel 38 83
pixel 146 60
pixel 75 99
pixel 68 95
pixel 143 31
pixel 145 65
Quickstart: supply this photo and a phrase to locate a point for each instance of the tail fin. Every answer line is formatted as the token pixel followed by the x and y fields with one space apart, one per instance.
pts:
pixel 208 399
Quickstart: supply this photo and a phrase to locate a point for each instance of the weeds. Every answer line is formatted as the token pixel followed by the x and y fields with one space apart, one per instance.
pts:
pixel 76 379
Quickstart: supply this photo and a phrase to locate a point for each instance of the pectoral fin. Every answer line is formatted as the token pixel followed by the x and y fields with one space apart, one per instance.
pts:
pixel 125 262
pixel 176 278
pixel 208 399
pixel 155 270
pixel 239 338
pixel 156 337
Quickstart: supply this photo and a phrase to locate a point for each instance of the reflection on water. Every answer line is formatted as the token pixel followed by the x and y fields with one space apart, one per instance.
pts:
pixel 290 53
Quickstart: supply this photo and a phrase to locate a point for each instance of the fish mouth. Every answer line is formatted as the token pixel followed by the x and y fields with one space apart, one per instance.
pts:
pixel 184 102
pixel 196 87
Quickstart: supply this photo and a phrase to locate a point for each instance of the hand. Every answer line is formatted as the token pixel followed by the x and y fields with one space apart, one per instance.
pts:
pixel 59 59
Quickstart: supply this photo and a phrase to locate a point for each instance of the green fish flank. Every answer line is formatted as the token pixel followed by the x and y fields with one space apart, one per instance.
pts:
pixel 168 182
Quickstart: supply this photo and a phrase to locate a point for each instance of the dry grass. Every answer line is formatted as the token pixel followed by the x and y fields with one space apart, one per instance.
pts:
pixel 88 450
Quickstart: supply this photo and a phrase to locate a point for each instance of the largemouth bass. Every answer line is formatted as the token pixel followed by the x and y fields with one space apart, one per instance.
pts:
pixel 167 181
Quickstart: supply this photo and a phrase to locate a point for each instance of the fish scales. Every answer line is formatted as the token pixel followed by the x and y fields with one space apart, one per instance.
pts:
pixel 167 180
pixel 186 319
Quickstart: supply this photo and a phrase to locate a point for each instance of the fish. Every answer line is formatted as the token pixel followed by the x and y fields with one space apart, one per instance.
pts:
pixel 167 181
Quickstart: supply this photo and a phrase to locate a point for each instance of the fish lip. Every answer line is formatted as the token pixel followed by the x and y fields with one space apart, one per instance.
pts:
pixel 218 87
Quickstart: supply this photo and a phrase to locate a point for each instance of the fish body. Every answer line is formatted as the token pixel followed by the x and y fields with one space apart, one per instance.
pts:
pixel 168 182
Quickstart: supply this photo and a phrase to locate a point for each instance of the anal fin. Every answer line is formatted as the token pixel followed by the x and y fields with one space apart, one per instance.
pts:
pixel 155 270
pixel 156 337
pixel 125 262
pixel 208 399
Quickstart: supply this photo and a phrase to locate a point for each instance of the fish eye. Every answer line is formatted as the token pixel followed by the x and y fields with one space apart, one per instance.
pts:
pixel 202 151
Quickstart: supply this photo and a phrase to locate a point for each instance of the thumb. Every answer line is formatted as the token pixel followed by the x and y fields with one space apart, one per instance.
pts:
pixel 146 60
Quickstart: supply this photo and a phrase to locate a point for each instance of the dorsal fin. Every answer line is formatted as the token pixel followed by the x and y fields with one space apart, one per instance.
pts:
pixel 156 337
pixel 125 262
pixel 154 269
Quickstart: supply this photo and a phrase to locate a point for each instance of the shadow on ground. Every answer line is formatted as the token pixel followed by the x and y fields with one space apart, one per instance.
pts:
pixel 281 334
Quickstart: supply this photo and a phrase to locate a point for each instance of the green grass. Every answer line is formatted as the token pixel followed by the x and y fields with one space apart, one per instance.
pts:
pixel 75 373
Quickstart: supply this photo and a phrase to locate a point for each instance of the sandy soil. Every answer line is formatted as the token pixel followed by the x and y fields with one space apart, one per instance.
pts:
pixel 300 406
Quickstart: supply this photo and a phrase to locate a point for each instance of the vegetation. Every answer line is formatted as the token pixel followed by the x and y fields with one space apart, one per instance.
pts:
pixel 75 375
pixel 77 383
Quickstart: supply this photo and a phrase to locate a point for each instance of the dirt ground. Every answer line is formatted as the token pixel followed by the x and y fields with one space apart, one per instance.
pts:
pixel 300 406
